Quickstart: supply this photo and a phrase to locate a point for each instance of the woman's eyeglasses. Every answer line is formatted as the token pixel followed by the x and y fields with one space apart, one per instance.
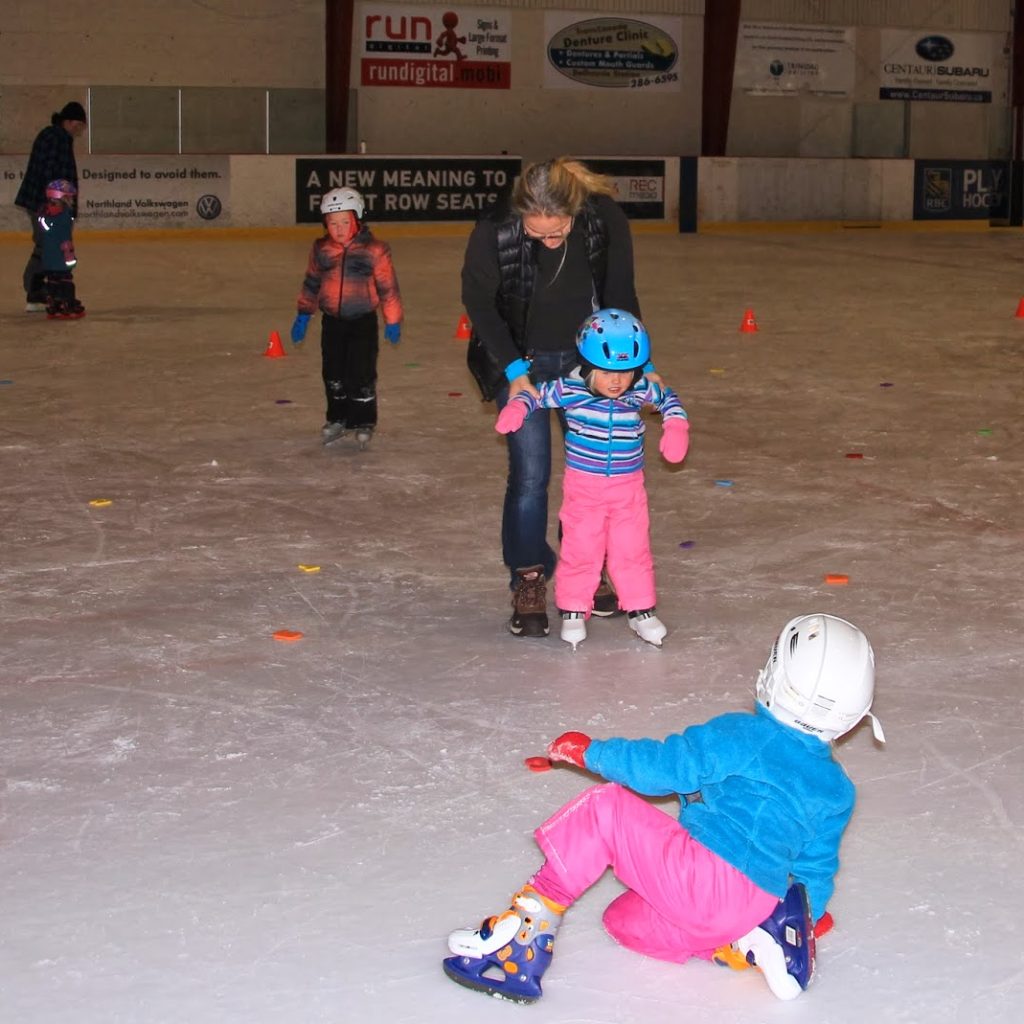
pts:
pixel 551 236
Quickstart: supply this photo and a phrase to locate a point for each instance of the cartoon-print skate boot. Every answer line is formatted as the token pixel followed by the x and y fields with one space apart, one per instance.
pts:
pixel 508 954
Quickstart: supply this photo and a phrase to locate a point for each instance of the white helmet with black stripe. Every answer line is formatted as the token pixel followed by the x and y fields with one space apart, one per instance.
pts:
pixel 340 199
pixel 820 677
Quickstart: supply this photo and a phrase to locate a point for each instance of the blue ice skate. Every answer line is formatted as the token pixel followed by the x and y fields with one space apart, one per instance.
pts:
pixel 508 954
pixel 782 946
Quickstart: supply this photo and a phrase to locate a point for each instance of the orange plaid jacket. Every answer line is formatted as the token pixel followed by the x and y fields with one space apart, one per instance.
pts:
pixel 351 280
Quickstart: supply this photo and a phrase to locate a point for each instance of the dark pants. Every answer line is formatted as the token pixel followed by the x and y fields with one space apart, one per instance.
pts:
pixel 524 521
pixel 33 277
pixel 349 351
pixel 59 289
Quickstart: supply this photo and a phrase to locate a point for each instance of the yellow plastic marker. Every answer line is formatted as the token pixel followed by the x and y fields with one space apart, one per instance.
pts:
pixel 101 502
pixel 309 568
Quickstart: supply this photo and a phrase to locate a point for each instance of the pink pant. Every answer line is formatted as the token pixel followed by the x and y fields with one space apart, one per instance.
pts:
pixel 604 515
pixel 682 899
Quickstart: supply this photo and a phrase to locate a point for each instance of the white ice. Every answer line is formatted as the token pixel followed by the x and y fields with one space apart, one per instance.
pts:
pixel 204 825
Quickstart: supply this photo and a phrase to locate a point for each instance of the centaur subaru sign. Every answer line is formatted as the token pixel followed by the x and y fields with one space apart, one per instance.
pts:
pixel 968 67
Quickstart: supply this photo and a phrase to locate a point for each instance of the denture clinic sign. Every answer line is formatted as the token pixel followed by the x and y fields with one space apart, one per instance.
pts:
pixel 612 52
pixel 435 47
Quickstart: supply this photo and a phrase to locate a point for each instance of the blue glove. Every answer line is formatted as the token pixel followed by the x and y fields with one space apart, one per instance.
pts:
pixel 393 332
pixel 299 327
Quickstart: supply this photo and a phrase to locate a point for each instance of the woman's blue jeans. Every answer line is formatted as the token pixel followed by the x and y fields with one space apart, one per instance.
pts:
pixel 524 523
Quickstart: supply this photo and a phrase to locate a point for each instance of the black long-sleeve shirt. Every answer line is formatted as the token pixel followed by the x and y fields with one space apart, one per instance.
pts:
pixel 561 299
pixel 52 157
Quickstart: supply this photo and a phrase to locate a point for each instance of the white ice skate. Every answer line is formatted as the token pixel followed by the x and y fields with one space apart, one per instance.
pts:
pixel 647 626
pixel 363 436
pixel 574 628
pixel 769 956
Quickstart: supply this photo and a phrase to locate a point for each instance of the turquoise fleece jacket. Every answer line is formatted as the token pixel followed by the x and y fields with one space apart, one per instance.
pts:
pixel 773 801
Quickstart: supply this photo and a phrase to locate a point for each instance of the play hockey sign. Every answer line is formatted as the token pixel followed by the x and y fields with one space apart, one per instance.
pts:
pixel 961 189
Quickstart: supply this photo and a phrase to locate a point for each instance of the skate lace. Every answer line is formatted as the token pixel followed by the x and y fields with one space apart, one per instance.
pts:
pixel 532 593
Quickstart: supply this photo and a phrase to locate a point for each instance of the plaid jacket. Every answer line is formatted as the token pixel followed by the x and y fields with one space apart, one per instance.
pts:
pixel 351 280
pixel 52 157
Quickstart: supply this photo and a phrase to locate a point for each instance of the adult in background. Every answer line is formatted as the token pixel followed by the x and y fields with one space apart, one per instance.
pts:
pixel 52 158
pixel 533 271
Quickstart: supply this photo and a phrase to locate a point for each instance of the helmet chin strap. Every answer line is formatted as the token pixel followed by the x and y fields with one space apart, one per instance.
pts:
pixel 876 728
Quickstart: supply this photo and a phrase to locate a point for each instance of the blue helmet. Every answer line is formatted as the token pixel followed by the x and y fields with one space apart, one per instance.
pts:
pixel 612 339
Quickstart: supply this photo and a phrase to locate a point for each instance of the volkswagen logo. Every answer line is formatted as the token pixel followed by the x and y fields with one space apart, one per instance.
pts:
pixel 934 48
pixel 208 207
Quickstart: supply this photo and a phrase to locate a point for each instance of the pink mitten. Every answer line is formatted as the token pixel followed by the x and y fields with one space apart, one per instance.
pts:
pixel 675 439
pixel 511 418
pixel 569 747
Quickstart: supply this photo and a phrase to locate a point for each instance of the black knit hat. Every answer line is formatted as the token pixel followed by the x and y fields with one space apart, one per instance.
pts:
pixel 72 111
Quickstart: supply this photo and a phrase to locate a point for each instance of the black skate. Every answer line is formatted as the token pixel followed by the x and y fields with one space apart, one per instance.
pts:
pixel 331 432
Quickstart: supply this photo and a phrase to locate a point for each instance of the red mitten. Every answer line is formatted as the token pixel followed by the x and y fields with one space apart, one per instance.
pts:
pixel 675 439
pixel 511 418
pixel 569 747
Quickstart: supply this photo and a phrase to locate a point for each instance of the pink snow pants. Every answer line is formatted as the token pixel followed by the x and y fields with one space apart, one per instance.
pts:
pixel 682 900
pixel 604 515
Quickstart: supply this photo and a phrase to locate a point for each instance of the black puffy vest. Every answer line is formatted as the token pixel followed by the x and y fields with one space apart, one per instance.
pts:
pixel 518 268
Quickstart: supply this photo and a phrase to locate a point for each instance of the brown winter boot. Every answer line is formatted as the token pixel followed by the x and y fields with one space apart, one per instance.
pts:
pixel 529 603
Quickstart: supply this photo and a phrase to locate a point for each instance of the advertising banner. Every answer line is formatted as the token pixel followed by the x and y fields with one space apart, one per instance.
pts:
pixel 135 192
pixel 588 51
pixel 961 189
pixel 951 67
pixel 418 188
pixel 434 47
pixel 789 60
pixel 640 185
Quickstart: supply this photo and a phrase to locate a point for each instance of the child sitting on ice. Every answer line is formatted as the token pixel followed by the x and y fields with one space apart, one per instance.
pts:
pixel 750 863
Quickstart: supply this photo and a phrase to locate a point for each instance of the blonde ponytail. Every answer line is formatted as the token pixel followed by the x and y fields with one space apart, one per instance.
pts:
pixel 557 188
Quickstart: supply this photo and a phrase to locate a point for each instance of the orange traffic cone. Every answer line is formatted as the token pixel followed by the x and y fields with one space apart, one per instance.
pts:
pixel 275 350
pixel 1020 308
pixel 749 325
pixel 464 329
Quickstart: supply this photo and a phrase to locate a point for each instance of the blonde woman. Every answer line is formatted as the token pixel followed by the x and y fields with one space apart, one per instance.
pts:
pixel 533 271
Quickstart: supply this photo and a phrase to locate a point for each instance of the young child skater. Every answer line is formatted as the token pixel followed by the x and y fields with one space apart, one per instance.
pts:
pixel 56 222
pixel 350 274
pixel 750 863
pixel 604 503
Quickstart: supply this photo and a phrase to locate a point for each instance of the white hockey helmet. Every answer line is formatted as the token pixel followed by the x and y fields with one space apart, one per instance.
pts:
pixel 820 677
pixel 340 199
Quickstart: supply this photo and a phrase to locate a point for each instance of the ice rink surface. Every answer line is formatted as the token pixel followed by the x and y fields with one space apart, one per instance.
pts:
pixel 203 824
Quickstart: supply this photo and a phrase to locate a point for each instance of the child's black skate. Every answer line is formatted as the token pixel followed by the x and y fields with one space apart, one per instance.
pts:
pixel 507 955
pixel 782 946
pixel 331 432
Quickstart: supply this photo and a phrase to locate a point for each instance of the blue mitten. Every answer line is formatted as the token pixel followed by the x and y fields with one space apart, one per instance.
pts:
pixel 299 327
pixel 393 332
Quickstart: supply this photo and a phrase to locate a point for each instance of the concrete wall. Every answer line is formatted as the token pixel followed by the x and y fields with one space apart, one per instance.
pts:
pixel 135 54
pixel 734 190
